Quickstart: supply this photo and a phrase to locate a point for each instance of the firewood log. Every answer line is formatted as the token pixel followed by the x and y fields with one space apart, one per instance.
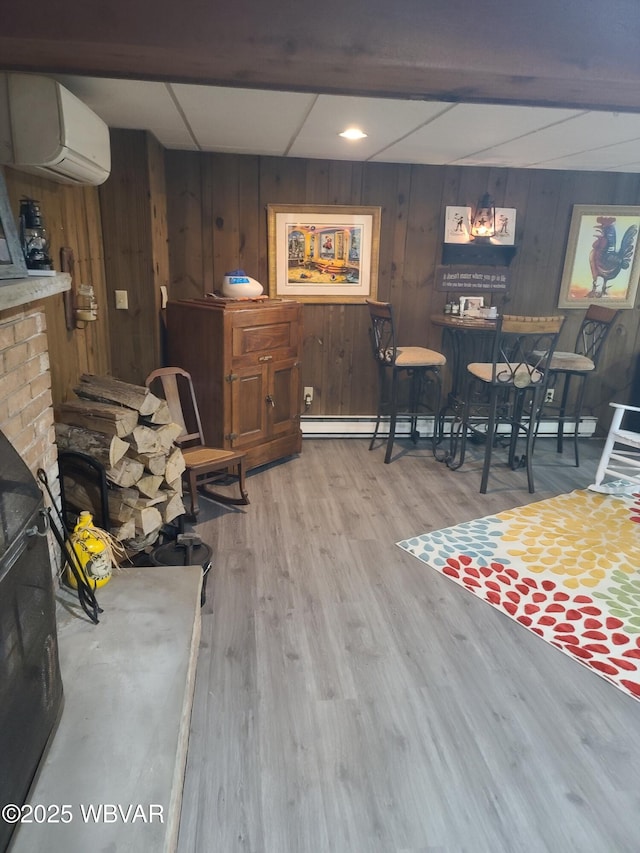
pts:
pixel 153 440
pixel 147 519
pixel 106 449
pixel 126 473
pixel 175 486
pixel 108 390
pixel 99 417
pixel 144 440
pixel 168 433
pixel 154 463
pixel 121 504
pixel 173 509
pixel 143 501
pixel 174 466
pixel 141 541
pixel 161 416
pixel 149 484
pixel 124 531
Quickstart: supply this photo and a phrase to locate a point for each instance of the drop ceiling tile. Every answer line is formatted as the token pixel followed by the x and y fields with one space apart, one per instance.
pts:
pixel 584 132
pixel 615 158
pixel 467 128
pixel 383 120
pixel 244 121
pixel 189 117
pixel 133 105
pixel 629 168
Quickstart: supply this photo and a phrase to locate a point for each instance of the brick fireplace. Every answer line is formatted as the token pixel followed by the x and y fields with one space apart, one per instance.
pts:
pixel 26 406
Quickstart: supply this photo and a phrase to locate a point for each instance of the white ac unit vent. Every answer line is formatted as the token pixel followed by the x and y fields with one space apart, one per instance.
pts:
pixel 48 131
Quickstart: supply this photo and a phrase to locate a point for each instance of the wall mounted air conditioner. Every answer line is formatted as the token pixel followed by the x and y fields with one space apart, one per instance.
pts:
pixel 46 130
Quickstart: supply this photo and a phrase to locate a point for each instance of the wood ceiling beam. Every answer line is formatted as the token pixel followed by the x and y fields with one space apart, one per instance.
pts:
pixel 569 53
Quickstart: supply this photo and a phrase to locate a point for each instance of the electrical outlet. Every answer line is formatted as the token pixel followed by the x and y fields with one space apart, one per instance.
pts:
pixel 308 395
pixel 122 300
pixel 548 397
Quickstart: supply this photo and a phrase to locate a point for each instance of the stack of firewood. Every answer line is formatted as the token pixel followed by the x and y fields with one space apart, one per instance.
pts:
pixel 129 431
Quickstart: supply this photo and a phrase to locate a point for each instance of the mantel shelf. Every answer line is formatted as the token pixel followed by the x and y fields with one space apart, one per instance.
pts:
pixel 19 291
pixel 477 254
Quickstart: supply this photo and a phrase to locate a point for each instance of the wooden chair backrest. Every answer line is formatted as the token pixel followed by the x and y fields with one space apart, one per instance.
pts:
pixel 383 336
pixel 601 313
pixel 176 384
pixel 527 345
pixel 524 325
pixel 596 325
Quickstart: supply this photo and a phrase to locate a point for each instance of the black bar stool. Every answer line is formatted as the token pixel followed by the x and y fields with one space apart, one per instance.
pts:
pixel 422 365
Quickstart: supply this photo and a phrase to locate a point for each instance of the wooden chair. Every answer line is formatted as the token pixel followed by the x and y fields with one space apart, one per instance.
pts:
pixel 507 390
pixel 422 365
pixel 620 457
pixel 205 465
pixel 579 364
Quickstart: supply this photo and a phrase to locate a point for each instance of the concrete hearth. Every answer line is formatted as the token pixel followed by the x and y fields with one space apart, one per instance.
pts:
pixel 123 732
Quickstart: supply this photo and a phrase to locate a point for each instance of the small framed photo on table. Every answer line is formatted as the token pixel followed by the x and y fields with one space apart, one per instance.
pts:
pixel 471 306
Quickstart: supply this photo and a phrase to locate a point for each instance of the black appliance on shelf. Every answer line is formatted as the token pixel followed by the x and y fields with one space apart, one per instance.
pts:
pixel 30 681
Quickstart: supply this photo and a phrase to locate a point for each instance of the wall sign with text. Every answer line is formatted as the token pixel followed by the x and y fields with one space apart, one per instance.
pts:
pixel 469 279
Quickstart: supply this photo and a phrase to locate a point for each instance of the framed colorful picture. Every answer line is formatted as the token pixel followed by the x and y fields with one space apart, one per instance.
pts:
pixel 602 262
pixel 323 253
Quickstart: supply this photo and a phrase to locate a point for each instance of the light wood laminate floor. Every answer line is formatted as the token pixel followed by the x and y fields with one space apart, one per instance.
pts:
pixel 349 699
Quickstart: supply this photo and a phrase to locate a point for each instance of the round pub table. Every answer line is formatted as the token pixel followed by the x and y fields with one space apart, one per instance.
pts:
pixel 464 340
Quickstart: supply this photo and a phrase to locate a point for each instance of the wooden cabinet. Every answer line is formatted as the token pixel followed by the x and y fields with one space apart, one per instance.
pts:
pixel 244 358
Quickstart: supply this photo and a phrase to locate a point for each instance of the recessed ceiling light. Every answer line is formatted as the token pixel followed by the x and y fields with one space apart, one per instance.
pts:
pixel 353 133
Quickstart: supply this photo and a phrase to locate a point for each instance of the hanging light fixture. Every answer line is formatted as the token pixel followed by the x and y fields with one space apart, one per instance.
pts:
pixel 483 224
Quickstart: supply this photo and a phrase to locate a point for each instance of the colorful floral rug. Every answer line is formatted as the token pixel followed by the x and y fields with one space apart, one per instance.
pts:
pixel 567 569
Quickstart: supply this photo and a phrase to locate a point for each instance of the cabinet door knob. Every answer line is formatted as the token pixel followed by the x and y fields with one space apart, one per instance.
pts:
pixel 269 399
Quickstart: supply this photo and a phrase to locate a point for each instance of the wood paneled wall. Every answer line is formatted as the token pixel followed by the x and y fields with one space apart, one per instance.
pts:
pixel 72 217
pixel 184 219
pixel 133 205
pixel 217 222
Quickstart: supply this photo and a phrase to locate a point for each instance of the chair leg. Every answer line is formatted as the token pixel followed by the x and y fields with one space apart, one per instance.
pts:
pixel 491 430
pixel 531 435
pixel 563 410
pixel 381 383
pixel 436 406
pixel 460 439
pixel 243 492
pixel 460 426
pixel 417 390
pixel 392 416
pixel 516 426
pixel 193 493
pixel 578 418
pixel 243 500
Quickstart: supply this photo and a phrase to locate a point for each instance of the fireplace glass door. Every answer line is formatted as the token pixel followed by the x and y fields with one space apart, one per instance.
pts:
pixel 30 682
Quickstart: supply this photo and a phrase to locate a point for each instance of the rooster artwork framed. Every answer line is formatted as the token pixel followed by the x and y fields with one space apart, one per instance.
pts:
pixel 602 262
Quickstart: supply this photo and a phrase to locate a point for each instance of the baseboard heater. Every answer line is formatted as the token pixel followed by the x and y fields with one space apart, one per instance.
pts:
pixel 362 427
